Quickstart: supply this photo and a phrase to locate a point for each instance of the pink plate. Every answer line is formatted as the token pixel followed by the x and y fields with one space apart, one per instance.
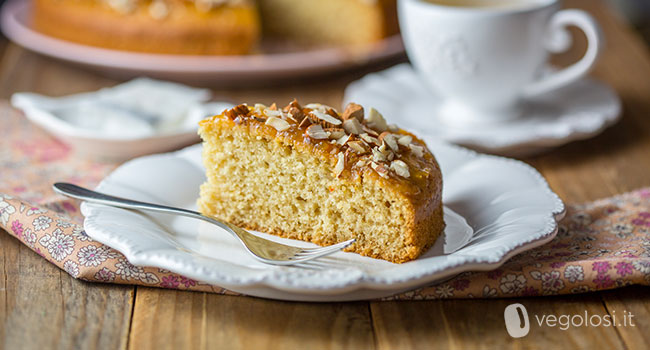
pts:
pixel 205 69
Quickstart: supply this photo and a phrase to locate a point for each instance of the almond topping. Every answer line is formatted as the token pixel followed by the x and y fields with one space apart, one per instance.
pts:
pixel 361 163
pixel 352 126
pixel 370 131
pixel 277 123
pixel 272 113
pixel 326 117
pixel 405 140
pixel 390 139
pixel 288 116
pixel 376 121
pixel 335 133
pixel 358 147
pixel 369 139
pixel 380 169
pixel 400 168
pixel 353 111
pixel 332 112
pixel 318 106
pixel 386 151
pixel 273 107
pixel 304 123
pixel 296 114
pixel 316 132
pixel 343 140
pixel 237 111
pixel 393 127
pixel 340 164
pixel 377 155
pixel 293 104
pixel 417 150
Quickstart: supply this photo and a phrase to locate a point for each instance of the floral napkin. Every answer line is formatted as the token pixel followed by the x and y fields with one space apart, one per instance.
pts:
pixel 600 245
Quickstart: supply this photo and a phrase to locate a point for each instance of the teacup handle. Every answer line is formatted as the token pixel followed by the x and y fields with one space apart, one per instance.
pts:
pixel 561 42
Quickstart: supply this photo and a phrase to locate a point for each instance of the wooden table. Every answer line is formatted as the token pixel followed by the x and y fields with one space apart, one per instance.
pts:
pixel 45 308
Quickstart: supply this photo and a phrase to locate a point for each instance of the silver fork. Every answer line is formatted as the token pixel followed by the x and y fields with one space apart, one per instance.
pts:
pixel 266 251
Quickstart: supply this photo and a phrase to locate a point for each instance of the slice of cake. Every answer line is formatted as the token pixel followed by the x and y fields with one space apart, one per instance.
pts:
pixel 314 174
pixel 333 22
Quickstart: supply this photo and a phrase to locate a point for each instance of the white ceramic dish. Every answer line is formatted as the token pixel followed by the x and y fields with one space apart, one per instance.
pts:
pixel 578 111
pixel 196 69
pixel 509 204
pixel 111 123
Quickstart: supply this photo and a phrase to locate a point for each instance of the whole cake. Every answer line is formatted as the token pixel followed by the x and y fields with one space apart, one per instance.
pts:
pixel 193 27
pixel 212 27
pixel 314 174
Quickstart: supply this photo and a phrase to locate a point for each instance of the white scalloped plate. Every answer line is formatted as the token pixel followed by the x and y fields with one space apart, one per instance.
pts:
pixel 575 112
pixel 507 203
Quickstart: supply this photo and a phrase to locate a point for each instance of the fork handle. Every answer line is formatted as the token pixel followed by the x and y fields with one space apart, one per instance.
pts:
pixel 87 195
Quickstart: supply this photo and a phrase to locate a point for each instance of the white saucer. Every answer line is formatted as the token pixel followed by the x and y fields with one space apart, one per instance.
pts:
pixel 579 111
pixel 509 209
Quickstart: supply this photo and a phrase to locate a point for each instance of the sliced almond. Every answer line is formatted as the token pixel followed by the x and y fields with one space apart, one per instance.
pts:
pixel 158 9
pixel 324 118
pixel 385 150
pixel 272 113
pixel 361 163
pixel 277 123
pixel 340 164
pixel 332 112
pixel 390 139
pixel 353 111
pixel 289 116
pixel 376 121
pixel 358 147
pixel 293 104
pixel 335 133
pixel 380 169
pixel 405 140
pixel 304 123
pixel 378 156
pixel 417 150
pixel 273 107
pixel 370 131
pixel 400 168
pixel 318 106
pixel 296 114
pixel 393 128
pixel 316 132
pixel 343 139
pixel 238 110
pixel 352 126
pixel 369 139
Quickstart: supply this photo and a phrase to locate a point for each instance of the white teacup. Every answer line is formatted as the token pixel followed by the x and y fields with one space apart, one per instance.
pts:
pixel 485 57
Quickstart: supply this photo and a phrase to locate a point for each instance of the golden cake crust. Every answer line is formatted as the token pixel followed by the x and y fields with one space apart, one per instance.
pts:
pixel 175 27
pixel 214 27
pixel 419 188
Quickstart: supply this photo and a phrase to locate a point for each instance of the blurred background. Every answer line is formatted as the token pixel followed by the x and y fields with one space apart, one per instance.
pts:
pixel 635 12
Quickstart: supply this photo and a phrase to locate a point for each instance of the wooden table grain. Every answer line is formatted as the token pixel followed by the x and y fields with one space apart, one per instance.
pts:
pixel 44 308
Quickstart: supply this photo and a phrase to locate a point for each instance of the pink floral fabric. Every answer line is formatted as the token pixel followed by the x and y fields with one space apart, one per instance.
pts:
pixel 600 245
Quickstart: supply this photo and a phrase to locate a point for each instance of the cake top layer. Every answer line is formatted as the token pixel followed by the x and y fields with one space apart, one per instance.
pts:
pixel 356 142
pixel 160 8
